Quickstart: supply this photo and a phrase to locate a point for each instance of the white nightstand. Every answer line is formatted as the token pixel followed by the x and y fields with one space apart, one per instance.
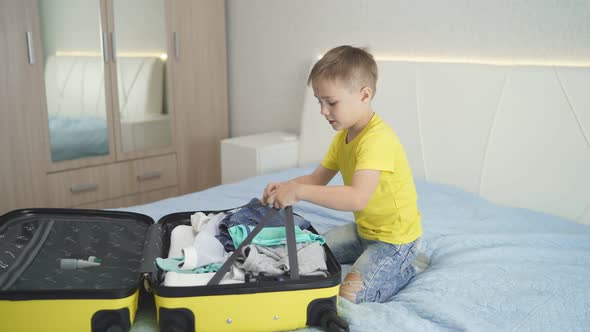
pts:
pixel 247 156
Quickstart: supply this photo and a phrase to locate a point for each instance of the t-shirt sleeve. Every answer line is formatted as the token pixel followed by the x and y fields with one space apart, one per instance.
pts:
pixel 376 152
pixel 331 160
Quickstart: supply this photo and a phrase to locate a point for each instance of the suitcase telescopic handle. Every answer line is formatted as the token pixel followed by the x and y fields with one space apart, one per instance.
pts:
pixel 291 246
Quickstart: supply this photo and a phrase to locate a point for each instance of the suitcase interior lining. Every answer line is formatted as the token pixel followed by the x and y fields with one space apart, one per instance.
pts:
pixel 117 242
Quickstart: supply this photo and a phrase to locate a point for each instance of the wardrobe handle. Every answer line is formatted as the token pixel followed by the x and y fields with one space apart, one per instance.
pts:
pixel 176 45
pixel 149 175
pixel 78 188
pixel 113 50
pixel 105 47
pixel 30 47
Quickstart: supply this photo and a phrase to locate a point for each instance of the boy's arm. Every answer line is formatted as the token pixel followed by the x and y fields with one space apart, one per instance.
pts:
pixel 346 198
pixel 320 176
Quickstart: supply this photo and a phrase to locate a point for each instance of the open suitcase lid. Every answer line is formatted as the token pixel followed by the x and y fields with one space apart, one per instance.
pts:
pixel 71 253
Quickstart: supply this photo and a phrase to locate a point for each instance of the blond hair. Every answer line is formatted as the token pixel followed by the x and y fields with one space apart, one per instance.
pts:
pixel 346 63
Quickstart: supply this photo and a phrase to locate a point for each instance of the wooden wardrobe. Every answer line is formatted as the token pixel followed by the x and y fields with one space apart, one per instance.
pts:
pixel 157 112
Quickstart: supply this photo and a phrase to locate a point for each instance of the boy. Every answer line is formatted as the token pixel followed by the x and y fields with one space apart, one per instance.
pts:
pixel 378 183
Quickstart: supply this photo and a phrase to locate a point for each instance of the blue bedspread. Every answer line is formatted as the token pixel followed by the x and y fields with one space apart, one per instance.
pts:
pixel 77 137
pixel 492 268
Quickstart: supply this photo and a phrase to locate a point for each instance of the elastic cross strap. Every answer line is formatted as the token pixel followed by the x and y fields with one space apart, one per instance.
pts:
pixel 291 247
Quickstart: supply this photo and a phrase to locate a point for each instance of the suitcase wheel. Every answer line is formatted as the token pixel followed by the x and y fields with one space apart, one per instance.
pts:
pixel 176 320
pixel 111 321
pixel 332 322
pixel 323 313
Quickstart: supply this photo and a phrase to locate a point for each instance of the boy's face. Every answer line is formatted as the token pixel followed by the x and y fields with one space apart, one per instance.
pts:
pixel 342 105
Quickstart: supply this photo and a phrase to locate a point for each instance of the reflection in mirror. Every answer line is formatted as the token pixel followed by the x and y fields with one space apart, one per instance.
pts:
pixel 140 48
pixel 74 78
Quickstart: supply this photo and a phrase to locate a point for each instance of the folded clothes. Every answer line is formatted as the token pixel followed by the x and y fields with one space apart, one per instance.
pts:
pixel 271 236
pixel 177 264
pixel 182 236
pixel 275 260
pixel 209 223
pixel 251 215
pixel 176 279
pixel 206 249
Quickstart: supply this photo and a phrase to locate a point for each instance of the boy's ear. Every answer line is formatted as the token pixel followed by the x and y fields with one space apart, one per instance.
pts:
pixel 366 94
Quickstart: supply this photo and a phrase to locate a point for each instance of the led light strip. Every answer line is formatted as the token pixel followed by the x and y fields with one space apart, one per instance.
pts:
pixel 162 56
pixel 491 61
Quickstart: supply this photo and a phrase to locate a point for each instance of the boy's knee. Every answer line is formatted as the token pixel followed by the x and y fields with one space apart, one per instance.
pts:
pixel 351 286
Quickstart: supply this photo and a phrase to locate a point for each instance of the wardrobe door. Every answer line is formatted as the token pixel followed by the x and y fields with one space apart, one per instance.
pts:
pixel 199 74
pixel 22 179
pixel 76 59
pixel 143 117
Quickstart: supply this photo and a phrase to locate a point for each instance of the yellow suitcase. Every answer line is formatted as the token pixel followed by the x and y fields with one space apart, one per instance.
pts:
pixel 279 304
pixel 48 282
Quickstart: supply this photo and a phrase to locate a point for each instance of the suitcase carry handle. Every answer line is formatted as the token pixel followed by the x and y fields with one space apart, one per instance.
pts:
pixel 152 248
pixel 291 246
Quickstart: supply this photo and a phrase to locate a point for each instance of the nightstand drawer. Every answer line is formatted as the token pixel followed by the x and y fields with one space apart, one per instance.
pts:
pixel 156 172
pixel 91 184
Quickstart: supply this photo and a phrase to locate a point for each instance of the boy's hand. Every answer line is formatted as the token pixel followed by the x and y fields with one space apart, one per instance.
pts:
pixel 268 190
pixel 283 195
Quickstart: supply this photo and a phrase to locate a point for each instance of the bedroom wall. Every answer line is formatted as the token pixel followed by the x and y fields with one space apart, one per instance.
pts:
pixel 271 42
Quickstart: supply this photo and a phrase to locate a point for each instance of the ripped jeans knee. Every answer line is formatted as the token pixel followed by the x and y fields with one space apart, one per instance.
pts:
pixel 351 286
pixel 380 272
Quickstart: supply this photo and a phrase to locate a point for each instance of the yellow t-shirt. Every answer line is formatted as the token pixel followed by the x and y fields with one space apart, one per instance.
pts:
pixel 392 213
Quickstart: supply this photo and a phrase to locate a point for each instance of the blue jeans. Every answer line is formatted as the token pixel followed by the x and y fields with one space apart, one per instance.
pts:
pixel 251 215
pixel 384 268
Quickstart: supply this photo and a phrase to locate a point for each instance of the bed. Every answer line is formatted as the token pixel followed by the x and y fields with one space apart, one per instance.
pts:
pixel 500 156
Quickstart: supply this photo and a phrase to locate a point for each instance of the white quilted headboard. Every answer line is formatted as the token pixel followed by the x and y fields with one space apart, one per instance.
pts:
pixel 517 135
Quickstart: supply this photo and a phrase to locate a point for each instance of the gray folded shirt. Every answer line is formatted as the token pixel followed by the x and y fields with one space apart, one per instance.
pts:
pixel 274 260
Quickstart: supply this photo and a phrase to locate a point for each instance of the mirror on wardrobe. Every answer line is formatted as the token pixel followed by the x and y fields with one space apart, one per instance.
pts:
pixel 93 45
pixel 140 58
pixel 74 78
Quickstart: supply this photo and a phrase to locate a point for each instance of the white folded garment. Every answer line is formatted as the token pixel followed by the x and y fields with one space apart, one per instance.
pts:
pixel 176 279
pixel 207 223
pixel 198 221
pixel 212 226
pixel 206 249
pixel 182 236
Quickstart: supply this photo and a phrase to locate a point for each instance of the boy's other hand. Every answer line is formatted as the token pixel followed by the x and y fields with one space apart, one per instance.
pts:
pixel 271 187
pixel 286 194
